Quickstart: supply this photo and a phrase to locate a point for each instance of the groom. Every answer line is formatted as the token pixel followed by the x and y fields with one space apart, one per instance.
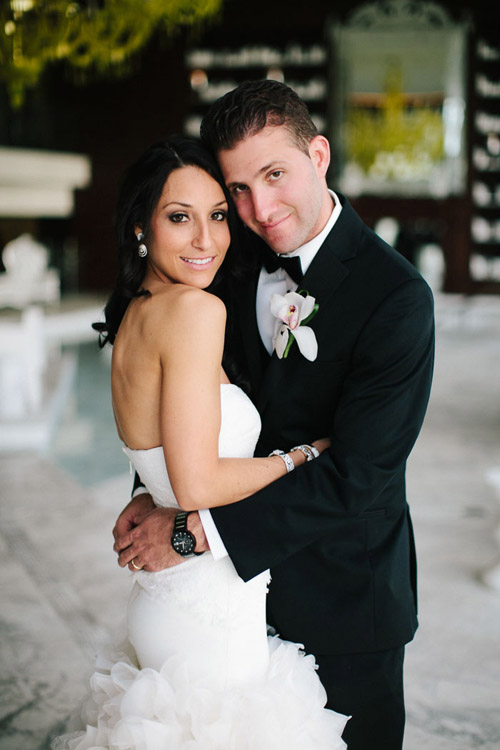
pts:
pixel 337 533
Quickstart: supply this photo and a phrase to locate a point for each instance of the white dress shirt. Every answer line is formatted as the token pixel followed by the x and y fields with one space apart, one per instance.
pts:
pixel 277 282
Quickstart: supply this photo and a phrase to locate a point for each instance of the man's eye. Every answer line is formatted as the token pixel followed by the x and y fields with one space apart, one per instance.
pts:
pixel 276 174
pixel 238 189
pixel 219 215
pixel 178 217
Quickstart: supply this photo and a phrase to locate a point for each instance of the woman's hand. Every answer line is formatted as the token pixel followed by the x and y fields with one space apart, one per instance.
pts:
pixel 301 454
pixel 322 444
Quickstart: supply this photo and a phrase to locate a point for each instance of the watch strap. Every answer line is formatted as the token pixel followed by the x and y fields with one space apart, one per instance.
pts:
pixel 180 521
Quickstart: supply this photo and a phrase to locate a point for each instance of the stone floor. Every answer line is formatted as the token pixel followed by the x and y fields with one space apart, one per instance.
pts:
pixel 62 592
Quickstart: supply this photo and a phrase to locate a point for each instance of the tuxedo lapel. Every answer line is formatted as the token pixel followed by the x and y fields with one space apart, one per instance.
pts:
pixel 324 275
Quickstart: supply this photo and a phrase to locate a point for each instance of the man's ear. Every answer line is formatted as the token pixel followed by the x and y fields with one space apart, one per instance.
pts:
pixel 319 151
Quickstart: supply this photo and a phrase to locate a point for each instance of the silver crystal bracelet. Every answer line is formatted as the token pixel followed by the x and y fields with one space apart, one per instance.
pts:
pixel 309 451
pixel 290 466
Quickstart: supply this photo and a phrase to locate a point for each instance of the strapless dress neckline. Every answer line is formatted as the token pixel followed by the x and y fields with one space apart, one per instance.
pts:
pixel 240 428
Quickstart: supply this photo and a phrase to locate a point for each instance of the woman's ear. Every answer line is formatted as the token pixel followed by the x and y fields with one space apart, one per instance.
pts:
pixel 138 230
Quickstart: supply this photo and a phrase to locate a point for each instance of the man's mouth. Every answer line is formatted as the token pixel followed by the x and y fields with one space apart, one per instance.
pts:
pixel 273 224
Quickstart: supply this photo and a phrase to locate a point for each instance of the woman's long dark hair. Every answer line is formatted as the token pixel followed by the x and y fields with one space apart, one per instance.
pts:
pixel 140 190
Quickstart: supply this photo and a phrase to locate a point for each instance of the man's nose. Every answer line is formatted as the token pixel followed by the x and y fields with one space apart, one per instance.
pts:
pixel 262 203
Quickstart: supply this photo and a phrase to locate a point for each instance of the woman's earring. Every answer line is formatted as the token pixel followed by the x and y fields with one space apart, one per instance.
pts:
pixel 142 249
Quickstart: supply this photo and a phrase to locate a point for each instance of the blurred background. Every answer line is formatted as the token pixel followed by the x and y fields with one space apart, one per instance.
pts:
pixel 408 92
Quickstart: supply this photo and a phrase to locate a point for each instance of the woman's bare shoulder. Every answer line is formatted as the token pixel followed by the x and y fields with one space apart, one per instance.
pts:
pixel 188 325
pixel 184 303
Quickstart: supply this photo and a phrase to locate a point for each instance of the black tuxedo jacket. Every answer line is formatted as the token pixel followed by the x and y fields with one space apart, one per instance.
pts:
pixel 336 532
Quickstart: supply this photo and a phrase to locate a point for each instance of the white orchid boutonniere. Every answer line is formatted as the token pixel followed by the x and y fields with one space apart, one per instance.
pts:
pixel 293 311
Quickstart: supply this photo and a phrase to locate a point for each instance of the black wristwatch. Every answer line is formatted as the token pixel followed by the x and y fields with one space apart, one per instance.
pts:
pixel 182 540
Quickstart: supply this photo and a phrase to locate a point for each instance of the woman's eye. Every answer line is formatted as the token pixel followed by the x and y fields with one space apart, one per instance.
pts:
pixel 219 215
pixel 177 218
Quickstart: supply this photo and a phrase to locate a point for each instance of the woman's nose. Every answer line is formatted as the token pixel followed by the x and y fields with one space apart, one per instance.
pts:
pixel 202 238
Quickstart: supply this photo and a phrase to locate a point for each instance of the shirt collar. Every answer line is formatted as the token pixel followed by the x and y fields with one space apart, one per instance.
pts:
pixel 308 251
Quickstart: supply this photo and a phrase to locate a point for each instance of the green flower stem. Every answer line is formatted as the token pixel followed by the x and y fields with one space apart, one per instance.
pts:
pixel 291 339
pixel 311 315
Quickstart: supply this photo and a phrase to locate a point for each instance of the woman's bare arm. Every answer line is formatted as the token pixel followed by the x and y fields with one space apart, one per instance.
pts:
pixel 191 357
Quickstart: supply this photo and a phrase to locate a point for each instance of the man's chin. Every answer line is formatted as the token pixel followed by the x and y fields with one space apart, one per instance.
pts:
pixel 279 245
pixel 281 249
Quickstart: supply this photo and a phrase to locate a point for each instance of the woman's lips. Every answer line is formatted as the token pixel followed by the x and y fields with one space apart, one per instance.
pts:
pixel 199 262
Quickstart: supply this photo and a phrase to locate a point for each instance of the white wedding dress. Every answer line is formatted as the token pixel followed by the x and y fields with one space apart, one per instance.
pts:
pixel 199 671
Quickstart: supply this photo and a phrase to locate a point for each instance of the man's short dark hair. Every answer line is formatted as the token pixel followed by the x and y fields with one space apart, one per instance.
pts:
pixel 247 109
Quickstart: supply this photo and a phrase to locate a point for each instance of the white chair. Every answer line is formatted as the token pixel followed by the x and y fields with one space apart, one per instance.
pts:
pixel 27 278
pixel 23 361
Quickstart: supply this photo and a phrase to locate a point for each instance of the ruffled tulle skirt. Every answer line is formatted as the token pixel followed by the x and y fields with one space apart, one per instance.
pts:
pixel 144 709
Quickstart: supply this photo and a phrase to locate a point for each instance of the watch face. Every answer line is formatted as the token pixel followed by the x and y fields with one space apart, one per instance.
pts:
pixel 183 542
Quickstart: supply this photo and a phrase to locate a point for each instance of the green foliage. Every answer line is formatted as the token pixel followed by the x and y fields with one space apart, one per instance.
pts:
pixel 101 37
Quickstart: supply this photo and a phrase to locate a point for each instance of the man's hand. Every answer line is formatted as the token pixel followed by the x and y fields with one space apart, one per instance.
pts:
pixel 146 540
pixel 132 515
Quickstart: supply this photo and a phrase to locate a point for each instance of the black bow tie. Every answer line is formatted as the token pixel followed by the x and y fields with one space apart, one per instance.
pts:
pixel 272 262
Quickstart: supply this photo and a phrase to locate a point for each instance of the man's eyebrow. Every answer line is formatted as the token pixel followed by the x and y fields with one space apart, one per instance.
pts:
pixel 262 169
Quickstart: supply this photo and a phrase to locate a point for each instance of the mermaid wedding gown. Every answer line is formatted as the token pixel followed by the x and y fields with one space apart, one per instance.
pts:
pixel 199 671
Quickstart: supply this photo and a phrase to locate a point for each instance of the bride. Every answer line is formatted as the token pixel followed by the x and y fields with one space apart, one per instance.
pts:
pixel 198 669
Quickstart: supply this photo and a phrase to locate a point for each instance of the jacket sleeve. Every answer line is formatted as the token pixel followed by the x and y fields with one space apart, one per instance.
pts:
pixel 376 423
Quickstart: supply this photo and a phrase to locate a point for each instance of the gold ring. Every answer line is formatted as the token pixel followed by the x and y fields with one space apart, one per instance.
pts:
pixel 135 566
